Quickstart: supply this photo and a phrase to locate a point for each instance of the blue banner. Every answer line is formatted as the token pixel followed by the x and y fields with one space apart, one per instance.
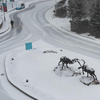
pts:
pixel 28 45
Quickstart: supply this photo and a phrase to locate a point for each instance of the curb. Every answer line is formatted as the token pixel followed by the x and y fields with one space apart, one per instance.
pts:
pixel 13 84
pixel 4 31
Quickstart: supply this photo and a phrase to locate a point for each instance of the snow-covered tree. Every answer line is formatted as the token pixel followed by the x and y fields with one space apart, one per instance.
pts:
pixel 95 18
pixel 76 10
pixel 60 9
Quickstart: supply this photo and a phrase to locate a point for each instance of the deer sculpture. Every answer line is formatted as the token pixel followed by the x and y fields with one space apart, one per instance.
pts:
pixel 64 60
pixel 89 71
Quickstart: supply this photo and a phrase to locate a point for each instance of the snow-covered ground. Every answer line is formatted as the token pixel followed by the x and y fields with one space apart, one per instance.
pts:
pixel 32 70
pixel 1 20
pixel 43 83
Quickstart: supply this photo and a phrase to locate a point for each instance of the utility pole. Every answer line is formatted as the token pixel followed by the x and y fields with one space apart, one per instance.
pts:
pixel 12 4
pixel 55 6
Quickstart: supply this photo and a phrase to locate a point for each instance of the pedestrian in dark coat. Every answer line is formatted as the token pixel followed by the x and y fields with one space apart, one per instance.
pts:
pixel 12 23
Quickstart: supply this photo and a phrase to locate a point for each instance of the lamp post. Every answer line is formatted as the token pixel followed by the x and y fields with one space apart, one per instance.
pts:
pixel 12 4
pixel 55 6
pixel 3 10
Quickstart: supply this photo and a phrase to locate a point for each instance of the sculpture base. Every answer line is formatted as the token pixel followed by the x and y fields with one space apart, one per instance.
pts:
pixel 89 80
pixel 66 72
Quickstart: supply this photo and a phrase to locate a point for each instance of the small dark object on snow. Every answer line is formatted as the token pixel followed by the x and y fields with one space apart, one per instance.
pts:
pixel 55 68
pixel 27 80
pixel 2 74
pixel 12 59
pixel 90 71
pixel 49 51
pixel 61 50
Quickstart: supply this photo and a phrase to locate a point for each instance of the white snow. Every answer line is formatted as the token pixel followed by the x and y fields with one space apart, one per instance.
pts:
pixel 43 83
pixel 37 67
pixel 1 20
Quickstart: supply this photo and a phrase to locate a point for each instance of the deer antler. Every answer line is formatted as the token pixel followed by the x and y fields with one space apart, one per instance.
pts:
pixel 79 63
pixel 83 61
pixel 75 59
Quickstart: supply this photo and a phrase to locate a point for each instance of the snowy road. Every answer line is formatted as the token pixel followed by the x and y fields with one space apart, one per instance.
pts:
pixel 35 27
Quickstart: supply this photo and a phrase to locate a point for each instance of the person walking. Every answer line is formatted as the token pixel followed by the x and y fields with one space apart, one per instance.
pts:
pixel 12 23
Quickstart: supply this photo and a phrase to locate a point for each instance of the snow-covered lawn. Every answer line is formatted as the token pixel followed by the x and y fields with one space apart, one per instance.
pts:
pixel 43 83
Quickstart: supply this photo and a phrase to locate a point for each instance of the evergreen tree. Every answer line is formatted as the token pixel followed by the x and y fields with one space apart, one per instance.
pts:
pixel 70 8
pixel 76 10
pixel 60 9
pixel 95 18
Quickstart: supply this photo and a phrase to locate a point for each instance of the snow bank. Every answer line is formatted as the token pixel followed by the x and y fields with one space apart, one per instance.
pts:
pixel 5 26
pixel 1 20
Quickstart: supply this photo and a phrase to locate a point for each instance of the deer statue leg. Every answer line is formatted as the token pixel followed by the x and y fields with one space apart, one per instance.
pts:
pixel 59 63
pixel 87 75
pixel 62 65
pixel 67 66
pixel 95 76
pixel 83 72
